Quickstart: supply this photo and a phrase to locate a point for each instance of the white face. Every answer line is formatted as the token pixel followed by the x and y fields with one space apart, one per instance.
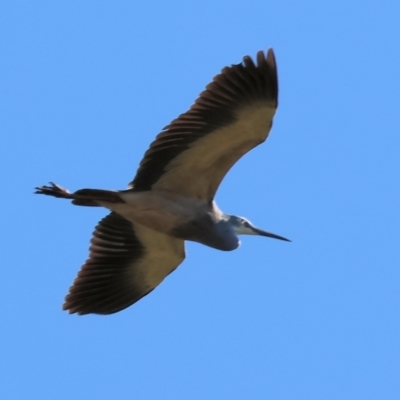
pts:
pixel 244 227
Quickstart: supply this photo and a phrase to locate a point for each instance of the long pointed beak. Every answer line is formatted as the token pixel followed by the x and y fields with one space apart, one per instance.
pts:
pixel 268 234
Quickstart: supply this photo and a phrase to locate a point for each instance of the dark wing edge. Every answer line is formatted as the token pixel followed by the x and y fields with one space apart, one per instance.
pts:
pixel 115 274
pixel 234 88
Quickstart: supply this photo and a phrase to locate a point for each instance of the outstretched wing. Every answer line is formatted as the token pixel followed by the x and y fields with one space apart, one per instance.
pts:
pixel 233 115
pixel 126 262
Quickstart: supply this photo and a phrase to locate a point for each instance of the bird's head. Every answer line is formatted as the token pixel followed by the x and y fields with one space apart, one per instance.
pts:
pixel 242 226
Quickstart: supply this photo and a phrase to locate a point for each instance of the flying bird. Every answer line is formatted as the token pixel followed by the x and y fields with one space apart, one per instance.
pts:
pixel 171 198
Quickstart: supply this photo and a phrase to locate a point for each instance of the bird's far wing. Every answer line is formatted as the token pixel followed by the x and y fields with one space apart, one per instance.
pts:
pixel 234 114
pixel 126 262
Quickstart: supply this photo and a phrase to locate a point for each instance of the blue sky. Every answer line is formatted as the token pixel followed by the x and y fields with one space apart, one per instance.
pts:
pixel 85 86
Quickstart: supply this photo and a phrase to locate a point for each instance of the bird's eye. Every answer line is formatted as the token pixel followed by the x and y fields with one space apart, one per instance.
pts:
pixel 245 223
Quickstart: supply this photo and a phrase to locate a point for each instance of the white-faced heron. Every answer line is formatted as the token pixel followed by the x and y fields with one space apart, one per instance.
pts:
pixel 171 198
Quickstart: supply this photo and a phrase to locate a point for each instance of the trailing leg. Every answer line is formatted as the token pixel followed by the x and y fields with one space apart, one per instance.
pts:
pixel 82 197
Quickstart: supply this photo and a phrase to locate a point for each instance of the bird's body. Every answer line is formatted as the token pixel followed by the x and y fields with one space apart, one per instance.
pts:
pixel 160 210
pixel 171 198
pixel 177 216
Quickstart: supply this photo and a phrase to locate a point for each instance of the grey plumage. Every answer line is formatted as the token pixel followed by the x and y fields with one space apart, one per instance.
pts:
pixel 171 198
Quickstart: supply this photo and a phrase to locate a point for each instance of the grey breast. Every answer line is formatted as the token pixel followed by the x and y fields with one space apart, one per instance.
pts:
pixel 206 230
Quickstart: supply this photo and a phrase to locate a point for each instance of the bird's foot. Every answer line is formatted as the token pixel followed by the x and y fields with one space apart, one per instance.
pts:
pixel 53 190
